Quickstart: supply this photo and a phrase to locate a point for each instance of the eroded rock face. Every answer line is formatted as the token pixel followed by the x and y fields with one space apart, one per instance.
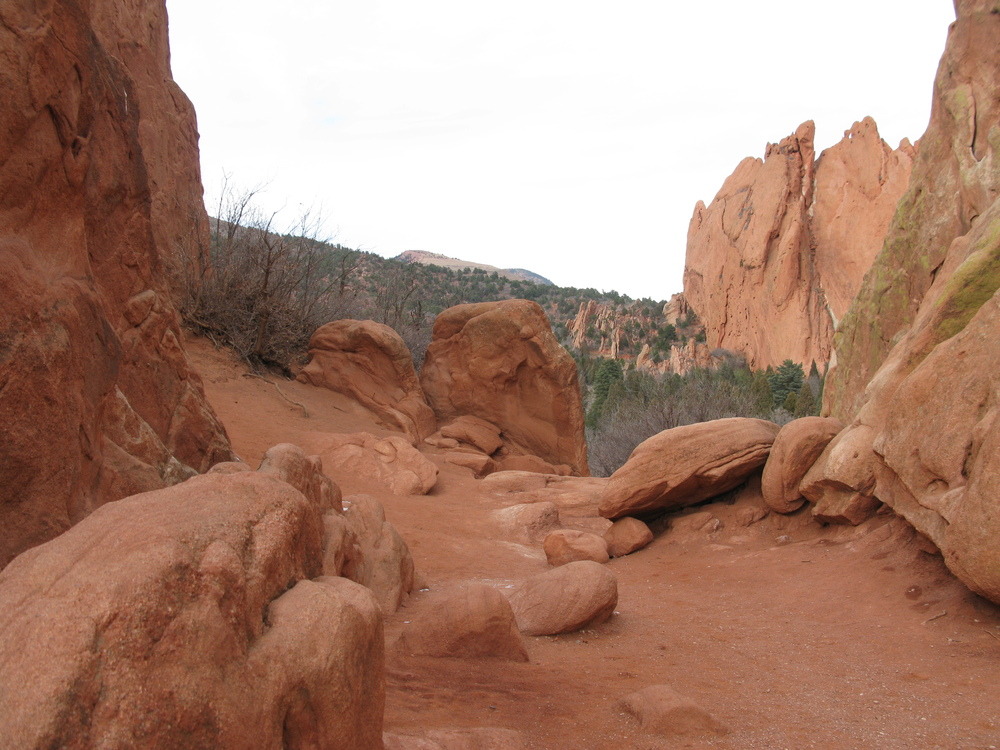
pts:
pixel 955 180
pixel 685 465
pixel 98 399
pixel 776 257
pixel 499 361
pixel 196 615
pixel 859 181
pixel 370 363
pixel 922 332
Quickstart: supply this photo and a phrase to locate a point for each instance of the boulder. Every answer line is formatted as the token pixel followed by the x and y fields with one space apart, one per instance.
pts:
pixel 686 465
pixel 774 260
pixel 478 433
pixel 499 361
pixel 566 545
pixel 796 448
pixel 378 558
pixel 391 461
pixel 100 198
pixel 627 535
pixel 527 522
pixel 841 482
pixel 186 617
pixel 470 621
pixel 662 710
pixel 564 599
pixel 370 363
pixel 288 463
pixel 480 464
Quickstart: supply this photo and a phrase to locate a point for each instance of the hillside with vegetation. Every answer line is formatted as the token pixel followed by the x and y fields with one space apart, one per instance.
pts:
pixel 263 293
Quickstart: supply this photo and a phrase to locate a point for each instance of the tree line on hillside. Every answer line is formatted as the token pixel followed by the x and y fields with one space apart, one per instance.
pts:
pixel 625 407
pixel 263 292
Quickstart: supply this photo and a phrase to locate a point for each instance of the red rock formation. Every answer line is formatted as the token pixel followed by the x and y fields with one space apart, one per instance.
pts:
pixel 567 545
pixel 499 361
pixel 390 461
pixel 627 535
pixel 686 465
pixel 602 319
pixel 922 332
pixel 677 309
pixel 859 181
pixel 370 363
pixel 98 399
pixel 473 620
pixel 796 448
pixel 196 615
pixel 684 357
pixel 570 597
pixel 783 247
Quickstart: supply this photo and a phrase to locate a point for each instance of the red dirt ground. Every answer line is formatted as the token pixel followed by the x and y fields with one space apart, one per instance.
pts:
pixel 838 638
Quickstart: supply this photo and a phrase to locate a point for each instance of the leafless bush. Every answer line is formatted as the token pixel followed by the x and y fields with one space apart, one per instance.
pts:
pixel 263 292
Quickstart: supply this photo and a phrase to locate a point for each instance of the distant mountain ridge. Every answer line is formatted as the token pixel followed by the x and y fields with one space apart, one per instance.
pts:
pixel 455 264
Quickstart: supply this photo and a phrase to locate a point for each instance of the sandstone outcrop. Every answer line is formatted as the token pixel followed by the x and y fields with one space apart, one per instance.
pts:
pixel 916 371
pixel 391 460
pixel 471 621
pixel 500 362
pixel 564 599
pixel 568 545
pixel 776 257
pixel 98 399
pixel 186 617
pixel 686 465
pixel 596 318
pixel 684 357
pixel 796 448
pixel 859 181
pixel 369 362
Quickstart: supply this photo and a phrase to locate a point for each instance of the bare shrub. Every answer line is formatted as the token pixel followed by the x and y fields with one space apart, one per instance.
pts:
pixel 263 292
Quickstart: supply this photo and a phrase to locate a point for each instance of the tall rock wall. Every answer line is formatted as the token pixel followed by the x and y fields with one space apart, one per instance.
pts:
pixel 917 376
pixel 774 260
pixel 954 183
pixel 99 172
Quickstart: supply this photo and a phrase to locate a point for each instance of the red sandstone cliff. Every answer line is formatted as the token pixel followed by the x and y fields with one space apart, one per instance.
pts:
pixel 773 262
pixel 99 184
pixel 916 373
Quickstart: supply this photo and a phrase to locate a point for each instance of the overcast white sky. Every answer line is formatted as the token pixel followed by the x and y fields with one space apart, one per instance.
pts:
pixel 569 137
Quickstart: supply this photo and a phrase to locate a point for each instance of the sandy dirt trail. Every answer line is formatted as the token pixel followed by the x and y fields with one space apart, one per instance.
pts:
pixel 791 634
